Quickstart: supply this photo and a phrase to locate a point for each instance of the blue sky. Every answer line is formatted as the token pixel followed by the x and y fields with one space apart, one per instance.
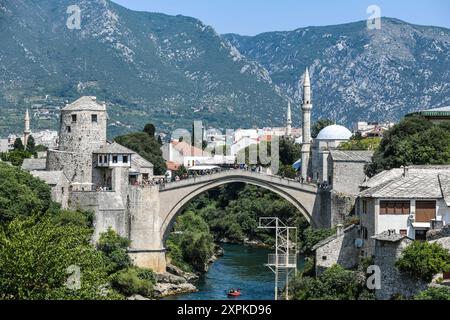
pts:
pixel 250 17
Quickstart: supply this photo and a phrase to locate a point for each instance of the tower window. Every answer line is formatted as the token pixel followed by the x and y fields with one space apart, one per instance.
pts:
pixel 69 129
pixel 125 159
pixel 94 118
pixel 74 118
pixel 115 159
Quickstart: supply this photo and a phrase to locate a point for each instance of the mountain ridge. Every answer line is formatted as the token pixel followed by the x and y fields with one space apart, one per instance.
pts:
pixel 170 70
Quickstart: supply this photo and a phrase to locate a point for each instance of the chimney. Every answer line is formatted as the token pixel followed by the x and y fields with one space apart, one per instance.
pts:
pixel 339 230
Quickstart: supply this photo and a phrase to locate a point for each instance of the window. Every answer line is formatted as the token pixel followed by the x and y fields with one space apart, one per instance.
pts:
pixel 125 159
pixel 105 159
pixel 68 129
pixel 403 232
pixel 364 233
pixel 100 159
pixel 94 118
pixel 395 207
pixel 425 211
pixel 115 159
pixel 324 258
pixel 74 118
pixel 364 206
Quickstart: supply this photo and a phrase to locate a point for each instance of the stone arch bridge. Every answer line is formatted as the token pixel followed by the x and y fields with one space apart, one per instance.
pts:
pixel 152 213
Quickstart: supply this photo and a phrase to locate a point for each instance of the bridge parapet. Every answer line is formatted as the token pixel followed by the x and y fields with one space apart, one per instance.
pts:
pixel 272 179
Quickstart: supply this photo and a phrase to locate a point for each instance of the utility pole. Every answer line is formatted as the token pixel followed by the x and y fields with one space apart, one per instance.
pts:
pixel 285 257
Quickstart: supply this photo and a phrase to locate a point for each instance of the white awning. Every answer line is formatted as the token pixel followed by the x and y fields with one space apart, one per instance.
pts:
pixel 422 225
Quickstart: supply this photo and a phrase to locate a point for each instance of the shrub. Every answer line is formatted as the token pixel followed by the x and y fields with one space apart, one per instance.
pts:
pixel 76 218
pixel 434 293
pixel 335 283
pixel 423 260
pixel 134 281
pixel 115 248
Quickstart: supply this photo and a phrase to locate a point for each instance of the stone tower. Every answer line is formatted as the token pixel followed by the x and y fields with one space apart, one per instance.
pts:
pixel 27 130
pixel 82 131
pixel 306 108
pixel 289 121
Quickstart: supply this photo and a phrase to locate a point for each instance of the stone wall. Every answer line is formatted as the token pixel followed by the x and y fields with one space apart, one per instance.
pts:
pixel 346 176
pixel 393 282
pixel 336 207
pixel 109 210
pixel 338 249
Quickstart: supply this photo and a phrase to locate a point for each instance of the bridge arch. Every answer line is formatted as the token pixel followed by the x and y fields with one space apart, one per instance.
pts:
pixel 174 198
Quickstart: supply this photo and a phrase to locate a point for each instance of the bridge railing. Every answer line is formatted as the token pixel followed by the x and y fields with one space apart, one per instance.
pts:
pixel 243 173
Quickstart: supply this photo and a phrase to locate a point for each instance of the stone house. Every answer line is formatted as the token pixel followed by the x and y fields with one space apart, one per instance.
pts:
pixel 409 201
pixel 389 246
pixel 341 248
pixel 59 184
pixel 346 170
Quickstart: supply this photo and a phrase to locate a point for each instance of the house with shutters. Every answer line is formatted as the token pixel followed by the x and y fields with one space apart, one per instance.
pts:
pixel 407 201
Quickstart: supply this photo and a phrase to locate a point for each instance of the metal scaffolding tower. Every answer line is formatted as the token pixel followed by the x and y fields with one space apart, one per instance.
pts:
pixel 285 257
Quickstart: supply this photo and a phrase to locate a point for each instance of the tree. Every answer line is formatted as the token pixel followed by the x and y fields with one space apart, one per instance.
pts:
pixel 31 145
pixel 335 283
pixel 160 142
pixel 423 260
pixel 319 125
pixel 413 141
pixel 147 147
pixel 192 243
pixel 150 130
pixel 37 258
pixel 290 152
pixel 134 281
pixel 18 145
pixel 115 249
pixel 21 195
pixel 359 143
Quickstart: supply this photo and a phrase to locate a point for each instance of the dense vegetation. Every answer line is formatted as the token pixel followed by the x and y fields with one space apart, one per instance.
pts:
pixel 191 245
pixel 413 141
pixel 319 125
pixel 46 252
pixel 335 283
pixel 146 145
pixel 359 144
pixel 423 260
pixel 435 293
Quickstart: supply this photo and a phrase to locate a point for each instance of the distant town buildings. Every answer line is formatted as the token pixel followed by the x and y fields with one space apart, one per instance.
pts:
pixel 372 129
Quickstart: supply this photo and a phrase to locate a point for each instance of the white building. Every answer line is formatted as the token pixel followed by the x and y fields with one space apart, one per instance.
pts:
pixel 409 201
pixel 372 129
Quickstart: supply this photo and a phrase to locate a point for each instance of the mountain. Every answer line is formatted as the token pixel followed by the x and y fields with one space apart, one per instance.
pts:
pixel 170 70
pixel 148 67
pixel 358 74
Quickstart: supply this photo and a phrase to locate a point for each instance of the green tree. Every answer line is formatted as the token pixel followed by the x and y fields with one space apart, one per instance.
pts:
pixel 150 130
pixel 413 141
pixel 191 243
pixel 18 145
pixel 319 125
pixel 147 147
pixel 423 260
pixel 290 152
pixel 38 257
pixel 335 283
pixel 31 145
pixel 115 249
pixel 21 194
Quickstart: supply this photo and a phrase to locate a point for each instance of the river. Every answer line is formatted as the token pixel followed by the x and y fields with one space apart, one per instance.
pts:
pixel 240 267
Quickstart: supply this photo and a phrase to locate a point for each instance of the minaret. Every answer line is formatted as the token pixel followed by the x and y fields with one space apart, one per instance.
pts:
pixel 306 108
pixel 27 130
pixel 289 121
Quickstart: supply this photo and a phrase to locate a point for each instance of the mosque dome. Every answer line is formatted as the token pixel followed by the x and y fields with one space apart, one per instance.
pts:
pixel 334 132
